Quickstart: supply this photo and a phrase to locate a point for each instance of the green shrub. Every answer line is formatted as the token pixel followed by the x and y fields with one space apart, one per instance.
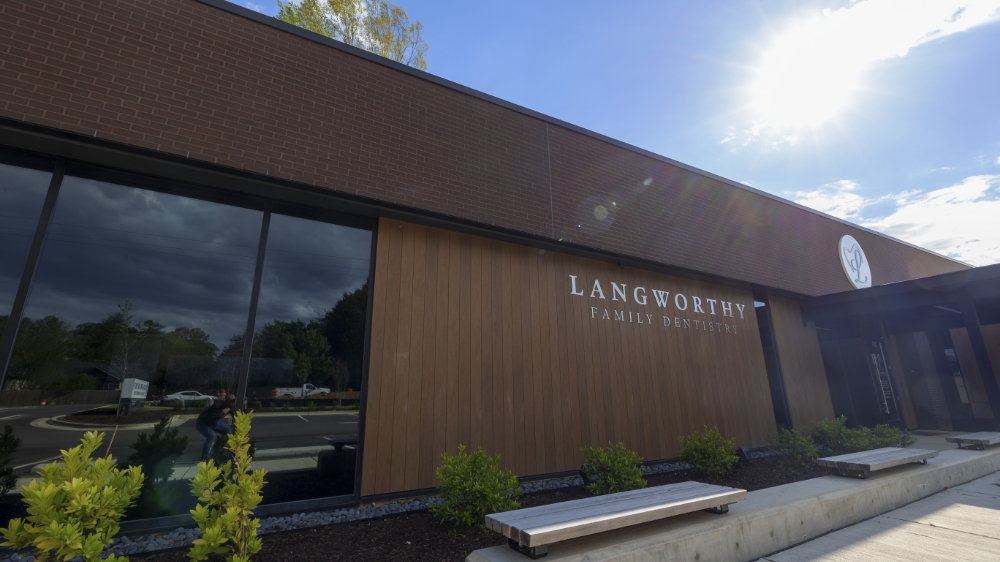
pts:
pixel 227 496
pixel 835 438
pixel 710 454
pixel 156 454
pixel 473 486
pixel 612 470
pixel 310 405
pixel 795 447
pixel 8 446
pixel 889 436
pixel 74 510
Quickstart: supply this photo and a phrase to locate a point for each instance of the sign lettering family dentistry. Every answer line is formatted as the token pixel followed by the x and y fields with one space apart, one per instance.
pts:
pixel 722 310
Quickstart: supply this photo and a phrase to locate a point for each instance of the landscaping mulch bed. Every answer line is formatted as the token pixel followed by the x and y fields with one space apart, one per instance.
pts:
pixel 419 537
pixel 106 416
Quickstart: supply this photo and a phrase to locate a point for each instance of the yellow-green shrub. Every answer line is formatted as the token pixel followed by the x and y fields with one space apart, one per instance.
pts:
pixel 75 508
pixel 472 486
pixel 228 495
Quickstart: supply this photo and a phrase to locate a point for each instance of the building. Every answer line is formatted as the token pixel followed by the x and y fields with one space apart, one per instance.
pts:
pixel 180 174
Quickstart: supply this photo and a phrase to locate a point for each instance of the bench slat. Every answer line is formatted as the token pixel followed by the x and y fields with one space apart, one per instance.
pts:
pixel 543 525
pixel 612 507
pixel 980 438
pixel 877 459
pixel 516 516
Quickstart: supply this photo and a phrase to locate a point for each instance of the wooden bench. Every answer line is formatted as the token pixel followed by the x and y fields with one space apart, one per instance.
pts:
pixel 531 530
pixel 860 464
pixel 975 440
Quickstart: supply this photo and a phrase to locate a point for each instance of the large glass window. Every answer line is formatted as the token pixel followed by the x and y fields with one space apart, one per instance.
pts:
pixel 22 193
pixel 305 375
pixel 132 284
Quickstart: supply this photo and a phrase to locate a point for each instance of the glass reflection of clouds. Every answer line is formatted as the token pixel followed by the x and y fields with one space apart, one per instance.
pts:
pixel 22 192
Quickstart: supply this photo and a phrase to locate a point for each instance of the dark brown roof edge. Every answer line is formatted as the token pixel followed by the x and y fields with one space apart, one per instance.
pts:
pixel 305 34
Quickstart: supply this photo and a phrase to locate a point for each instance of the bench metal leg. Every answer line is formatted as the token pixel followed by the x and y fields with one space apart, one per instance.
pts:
pixel 534 552
pixel 720 509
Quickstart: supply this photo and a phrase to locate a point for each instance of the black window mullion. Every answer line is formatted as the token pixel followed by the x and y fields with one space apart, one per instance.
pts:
pixel 30 267
pixel 244 373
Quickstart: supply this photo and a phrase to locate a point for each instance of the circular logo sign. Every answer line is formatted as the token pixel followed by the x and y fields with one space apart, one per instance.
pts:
pixel 852 257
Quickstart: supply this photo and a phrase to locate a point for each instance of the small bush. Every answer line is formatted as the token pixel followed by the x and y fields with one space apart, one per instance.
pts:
pixel 795 447
pixel 612 470
pixel 8 446
pixel 835 438
pixel 310 405
pixel 710 454
pixel 74 510
pixel 473 486
pixel 227 496
pixel 888 436
pixel 156 454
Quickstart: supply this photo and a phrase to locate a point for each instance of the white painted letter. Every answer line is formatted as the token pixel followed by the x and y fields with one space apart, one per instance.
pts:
pixel 593 312
pixel 597 290
pixel 677 301
pixel 697 304
pixel 572 290
pixel 740 307
pixel 620 315
pixel 661 298
pixel 606 317
pixel 727 309
pixel 711 303
pixel 649 317
pixel 635 295
pixel 616 290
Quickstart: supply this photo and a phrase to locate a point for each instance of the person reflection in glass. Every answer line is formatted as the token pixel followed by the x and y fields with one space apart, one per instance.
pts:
pixel 211 423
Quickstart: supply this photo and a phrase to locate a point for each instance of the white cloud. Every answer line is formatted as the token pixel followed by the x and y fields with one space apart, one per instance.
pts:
pixel 838 199
pixel 958 221
pixel 811 70
pixel 255 7
pixel 998 160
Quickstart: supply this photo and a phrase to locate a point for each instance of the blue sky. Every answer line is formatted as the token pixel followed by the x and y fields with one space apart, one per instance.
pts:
pixel 883 112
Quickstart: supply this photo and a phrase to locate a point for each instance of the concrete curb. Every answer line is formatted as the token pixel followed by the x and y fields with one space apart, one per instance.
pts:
pixel 772 519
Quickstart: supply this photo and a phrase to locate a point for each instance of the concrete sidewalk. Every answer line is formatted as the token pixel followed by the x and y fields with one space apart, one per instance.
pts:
pixel 962 523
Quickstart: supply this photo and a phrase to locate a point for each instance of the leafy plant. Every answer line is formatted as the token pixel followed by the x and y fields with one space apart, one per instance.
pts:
pixel 158 451
pixel 473 485
pixel 310 405
pixel 156 454
pixel 221 454
pixel 74 510
pixel 8 445
pixel 885 435
pixel 835 438
pixel 227 496
pixel 796 447
pixel 710 454
pixel 612 470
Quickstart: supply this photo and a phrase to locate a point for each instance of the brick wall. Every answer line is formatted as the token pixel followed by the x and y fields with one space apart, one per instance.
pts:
pixel 189 79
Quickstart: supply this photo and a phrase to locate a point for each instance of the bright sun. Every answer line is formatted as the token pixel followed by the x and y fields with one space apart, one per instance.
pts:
pixel 812 71
pixel 804 80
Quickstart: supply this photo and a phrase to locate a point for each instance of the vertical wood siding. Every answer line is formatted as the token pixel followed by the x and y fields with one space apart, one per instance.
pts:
pixel 802 370
pixel 479 343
